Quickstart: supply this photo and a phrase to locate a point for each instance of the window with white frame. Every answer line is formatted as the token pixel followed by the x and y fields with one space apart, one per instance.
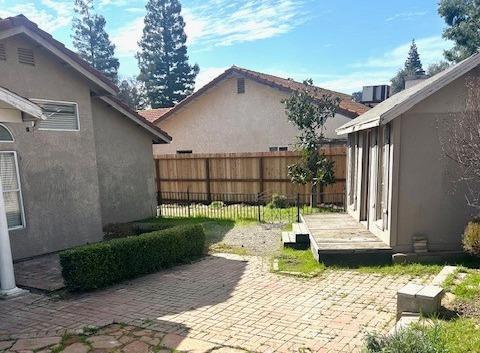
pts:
pixel 61 116
pixel 12 192
pixel 5 134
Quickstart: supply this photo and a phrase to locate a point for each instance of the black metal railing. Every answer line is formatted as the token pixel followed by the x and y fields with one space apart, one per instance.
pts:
pixel 238 206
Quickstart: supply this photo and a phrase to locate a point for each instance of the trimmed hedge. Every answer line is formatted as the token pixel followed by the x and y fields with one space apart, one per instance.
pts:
pixel 99 265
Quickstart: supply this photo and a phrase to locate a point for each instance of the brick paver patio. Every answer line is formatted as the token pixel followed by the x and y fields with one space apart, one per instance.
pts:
pixel 224 300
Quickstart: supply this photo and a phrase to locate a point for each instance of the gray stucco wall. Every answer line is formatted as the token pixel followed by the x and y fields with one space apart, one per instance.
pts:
pixel 430 203
pixel 58 170
pixel 126 170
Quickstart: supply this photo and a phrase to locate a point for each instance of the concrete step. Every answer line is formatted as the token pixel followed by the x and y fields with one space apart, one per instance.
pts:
pixel 302 235
pixel 289 240
pixel 300 229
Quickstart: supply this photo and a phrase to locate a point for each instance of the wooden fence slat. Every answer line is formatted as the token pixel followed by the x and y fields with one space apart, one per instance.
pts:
pixel 248 173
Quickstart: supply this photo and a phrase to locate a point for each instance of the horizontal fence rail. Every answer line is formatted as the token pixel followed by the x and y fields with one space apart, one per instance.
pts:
pixel 259 207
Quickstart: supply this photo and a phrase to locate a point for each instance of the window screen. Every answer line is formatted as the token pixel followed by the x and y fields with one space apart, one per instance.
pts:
pixel 60 116
pixel 11 190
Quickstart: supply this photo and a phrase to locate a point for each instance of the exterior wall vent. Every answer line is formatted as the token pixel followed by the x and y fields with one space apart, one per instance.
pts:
pixel 3 53
pixel 240 85
pixel 25 56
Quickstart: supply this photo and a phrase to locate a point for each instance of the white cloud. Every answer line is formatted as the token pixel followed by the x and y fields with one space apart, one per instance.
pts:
pixel 406 16
pixel 53 15
pixel 354 81
pixel 222 22
pixel 207 74
pixel 126 38
pixel 430 50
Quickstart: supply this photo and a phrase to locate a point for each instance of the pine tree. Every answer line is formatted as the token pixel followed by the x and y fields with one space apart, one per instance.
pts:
pixel 131 92
pixel 92 41
pixel 163 58
pixel 462 18
pixel 413 63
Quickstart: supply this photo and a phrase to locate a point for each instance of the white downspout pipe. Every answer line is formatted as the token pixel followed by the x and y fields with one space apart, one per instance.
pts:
pixel 7 276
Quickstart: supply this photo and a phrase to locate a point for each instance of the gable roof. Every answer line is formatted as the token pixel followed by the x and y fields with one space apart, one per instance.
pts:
pixel 407 99
pixel 153 114
pixel 117 104
pixel 21 103
pixel 347 105
pixel 20 24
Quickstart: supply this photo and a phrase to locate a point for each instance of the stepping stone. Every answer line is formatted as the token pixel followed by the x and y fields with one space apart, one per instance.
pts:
pixel 31 344
pixel 136 347
pixel 104 342
pixel 4 345
pixel 76 348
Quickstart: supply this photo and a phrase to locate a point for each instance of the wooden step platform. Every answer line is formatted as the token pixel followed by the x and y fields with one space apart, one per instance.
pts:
pixel 336 238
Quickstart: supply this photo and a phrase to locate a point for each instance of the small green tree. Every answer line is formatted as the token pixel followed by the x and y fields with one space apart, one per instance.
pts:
pixel 309 110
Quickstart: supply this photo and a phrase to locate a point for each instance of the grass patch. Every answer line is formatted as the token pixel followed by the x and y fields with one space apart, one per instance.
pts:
pixel 467 288
pixel 456 336
pixel 299 262
pixel 415 269
pixel 461 335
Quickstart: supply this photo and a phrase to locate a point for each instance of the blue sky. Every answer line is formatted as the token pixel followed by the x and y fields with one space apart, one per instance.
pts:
pixel 340 44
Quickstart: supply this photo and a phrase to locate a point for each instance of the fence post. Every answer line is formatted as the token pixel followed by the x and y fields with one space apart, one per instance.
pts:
pixel 188 201
pixel 298 207
pixel 258 208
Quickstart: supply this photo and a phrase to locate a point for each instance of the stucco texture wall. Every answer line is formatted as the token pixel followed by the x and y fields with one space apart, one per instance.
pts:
pixel 222 121
pixel 430 203
pixel 126 171
pixel 58 170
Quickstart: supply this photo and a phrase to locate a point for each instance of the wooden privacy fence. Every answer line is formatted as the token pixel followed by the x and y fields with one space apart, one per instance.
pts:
pixel 240 173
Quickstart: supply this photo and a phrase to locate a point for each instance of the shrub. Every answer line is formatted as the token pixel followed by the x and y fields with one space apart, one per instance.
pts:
pixel 217 204
pixel 278 201
pixel 471 237
pixel 98 265
pixel 410 340
pixel 122 230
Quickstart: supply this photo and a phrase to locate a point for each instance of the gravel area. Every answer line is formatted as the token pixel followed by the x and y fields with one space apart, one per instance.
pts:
pixel 259 239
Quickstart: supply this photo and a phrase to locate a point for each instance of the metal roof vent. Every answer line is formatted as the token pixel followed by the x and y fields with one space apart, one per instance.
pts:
pixel 3 53
pixel 25 56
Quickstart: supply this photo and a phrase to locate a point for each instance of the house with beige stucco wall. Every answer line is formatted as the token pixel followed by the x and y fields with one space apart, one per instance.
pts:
pixel 241 111
pixel 400 183
pixel 70 152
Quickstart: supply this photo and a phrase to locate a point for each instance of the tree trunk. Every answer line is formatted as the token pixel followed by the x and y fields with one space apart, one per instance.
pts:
pixel 313 196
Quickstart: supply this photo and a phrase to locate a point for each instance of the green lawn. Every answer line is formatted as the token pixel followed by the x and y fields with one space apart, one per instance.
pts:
pixel 299 262
pixel 415 270
pixel 467 289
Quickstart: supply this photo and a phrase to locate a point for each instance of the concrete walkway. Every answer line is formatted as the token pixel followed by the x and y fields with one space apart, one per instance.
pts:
pixel 227 301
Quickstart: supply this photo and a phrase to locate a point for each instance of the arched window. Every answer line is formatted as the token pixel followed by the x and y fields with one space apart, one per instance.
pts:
pixel 5 134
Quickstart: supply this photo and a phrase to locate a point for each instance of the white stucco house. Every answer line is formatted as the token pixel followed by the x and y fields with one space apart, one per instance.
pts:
pixel 241 111
pixel 399 181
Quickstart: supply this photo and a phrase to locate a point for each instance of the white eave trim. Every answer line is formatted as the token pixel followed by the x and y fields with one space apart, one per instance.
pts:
pixel 135 119
pixel 21 104
pixel 357 127
pixel 61 55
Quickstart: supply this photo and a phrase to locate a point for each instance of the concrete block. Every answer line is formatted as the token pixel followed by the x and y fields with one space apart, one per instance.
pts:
pixel 443 275
pixel 429 299
pixel 406 301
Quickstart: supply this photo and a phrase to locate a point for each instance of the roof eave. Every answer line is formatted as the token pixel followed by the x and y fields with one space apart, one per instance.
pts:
pixel 343 130
pixel 162 138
